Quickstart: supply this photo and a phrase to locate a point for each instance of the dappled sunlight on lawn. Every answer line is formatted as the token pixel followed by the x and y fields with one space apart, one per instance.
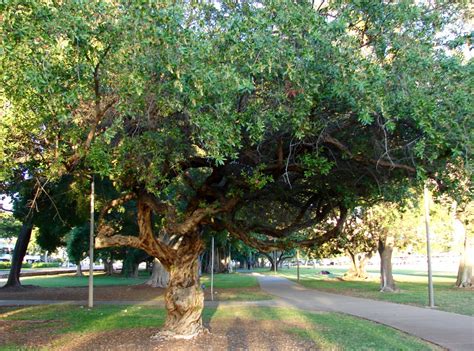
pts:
pixel 329 331
pixel 76 327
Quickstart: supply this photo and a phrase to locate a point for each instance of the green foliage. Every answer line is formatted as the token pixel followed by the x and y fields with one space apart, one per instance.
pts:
pixel 316 165
pixel 9 226
pixel 364 98
pixel 7 265
pixel 78 243
pixel 46 265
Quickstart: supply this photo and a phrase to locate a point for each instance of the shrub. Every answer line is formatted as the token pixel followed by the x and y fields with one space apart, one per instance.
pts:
pixel 46 265
pixel 7 265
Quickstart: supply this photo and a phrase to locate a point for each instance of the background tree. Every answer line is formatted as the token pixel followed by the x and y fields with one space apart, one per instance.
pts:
pixel 78 245
pixel 463 224
pixel 9 225
pixel 358 244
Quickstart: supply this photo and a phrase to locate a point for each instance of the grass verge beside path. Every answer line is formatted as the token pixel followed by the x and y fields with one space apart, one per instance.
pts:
pixel 235 287
pixel 413 288
pixel 227 287
pixel 63 323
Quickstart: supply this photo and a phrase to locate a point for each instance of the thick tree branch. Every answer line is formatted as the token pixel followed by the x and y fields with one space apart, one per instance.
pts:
pixel 114 203
pixel 386 164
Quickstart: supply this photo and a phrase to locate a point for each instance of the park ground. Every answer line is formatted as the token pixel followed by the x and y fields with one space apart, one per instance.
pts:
pixel 131 324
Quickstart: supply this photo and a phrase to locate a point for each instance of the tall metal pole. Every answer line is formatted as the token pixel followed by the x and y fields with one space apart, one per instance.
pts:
pixel 91 248
pixel 298 265
pixel 275 262
pixel 230 260
pixel 212 268
pixel 428 248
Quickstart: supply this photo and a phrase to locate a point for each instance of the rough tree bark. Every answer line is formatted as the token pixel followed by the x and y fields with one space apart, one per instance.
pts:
pixel 219 257
pixel 159 275
pixel 280 259
pixel 358 264
pixel 78 269
pixel 19 253
pixel 184 298
pixel 109 266
pixel 385 249
pixel 271 260
pixel 464 278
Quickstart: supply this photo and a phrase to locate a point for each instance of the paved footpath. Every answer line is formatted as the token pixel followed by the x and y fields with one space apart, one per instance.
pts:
pixel 450 330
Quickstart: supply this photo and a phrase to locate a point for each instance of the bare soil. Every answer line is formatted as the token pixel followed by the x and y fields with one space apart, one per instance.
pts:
pixel 108 293
pixel 101 293
pixel 225 334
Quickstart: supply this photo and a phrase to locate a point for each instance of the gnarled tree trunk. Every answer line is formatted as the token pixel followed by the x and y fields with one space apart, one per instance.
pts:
pixel 358 265
pixel 109 266
pixel 464 278
pixel 19 253
pixel 179 253
pixel 159 275
pixel 385 248
pixel 184 299
pixel 78 269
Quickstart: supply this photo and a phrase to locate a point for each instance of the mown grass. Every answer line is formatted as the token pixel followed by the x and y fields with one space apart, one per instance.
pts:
pixel 328 330
pixel 413 286
pixel 229 281
pixel 70 280
pixel 227 287
pixel 221 281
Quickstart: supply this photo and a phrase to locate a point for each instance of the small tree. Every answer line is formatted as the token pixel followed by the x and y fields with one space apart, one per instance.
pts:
pixel 359 245
pixel 78 246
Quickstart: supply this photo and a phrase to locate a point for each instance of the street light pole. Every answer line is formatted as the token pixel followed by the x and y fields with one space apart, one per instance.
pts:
pixel 297 265
pixel 230 259
pixel 91 248
pixel 275 262
pixel 428 248
pixel 212 268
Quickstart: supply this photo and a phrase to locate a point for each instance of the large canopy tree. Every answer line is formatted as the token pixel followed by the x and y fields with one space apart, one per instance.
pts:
pixel 51 103
pixel 259 118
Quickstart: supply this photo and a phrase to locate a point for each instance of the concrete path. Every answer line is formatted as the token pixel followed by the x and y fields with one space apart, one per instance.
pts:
pixel 450 330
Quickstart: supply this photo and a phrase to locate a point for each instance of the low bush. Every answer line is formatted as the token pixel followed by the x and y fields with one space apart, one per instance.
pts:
pixel 46 265
pixel 7 265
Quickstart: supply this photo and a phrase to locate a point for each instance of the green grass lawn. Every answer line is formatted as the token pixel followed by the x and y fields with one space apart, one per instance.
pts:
pixel 328 330
pixel 221 281
pixel 413 287
pixel 235 287
pixel 229 281
pixel 228 287
pixel 69 280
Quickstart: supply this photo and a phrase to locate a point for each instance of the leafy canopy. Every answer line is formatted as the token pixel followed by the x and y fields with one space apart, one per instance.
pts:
pixel 261 118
